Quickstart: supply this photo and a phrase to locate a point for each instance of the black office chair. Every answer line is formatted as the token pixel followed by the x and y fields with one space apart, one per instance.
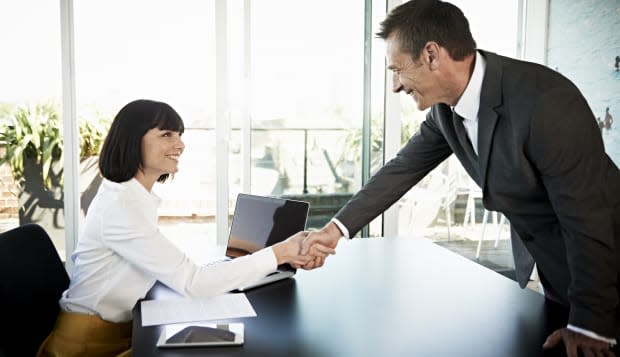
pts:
pixel 32 279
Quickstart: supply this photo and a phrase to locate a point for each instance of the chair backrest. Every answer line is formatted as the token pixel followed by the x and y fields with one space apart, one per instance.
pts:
pixel 32 279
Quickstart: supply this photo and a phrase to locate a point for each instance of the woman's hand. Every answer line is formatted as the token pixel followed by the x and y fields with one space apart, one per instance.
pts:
pixel 289 251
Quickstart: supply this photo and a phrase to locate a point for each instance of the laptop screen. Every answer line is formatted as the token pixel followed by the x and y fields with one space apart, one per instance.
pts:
pixel 259 222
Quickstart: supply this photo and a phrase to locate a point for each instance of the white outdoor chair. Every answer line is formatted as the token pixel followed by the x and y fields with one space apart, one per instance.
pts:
pixel 470 215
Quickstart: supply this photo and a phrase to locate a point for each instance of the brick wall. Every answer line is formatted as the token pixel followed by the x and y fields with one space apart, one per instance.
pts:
pixel 8 191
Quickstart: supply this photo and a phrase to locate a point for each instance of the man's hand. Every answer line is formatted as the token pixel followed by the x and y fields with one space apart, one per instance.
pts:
pixel 317 241
pixel 289 251
pixel 575 342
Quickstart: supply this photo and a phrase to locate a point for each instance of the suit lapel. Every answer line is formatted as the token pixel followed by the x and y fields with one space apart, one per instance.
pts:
pixel 490 112
pixel 490 105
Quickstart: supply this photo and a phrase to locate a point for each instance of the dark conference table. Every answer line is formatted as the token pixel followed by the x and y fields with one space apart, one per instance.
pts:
pixel 385 297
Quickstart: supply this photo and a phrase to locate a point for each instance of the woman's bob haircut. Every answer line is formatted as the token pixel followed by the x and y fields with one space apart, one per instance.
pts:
pixel 121 154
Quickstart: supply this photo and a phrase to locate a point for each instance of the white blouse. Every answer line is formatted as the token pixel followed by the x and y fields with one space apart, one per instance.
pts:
pixel 121 254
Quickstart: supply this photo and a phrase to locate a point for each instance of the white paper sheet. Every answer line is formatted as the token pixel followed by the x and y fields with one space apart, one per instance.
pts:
pixel 221 307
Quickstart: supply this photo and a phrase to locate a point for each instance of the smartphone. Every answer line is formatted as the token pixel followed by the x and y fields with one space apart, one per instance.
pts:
pixel 199 334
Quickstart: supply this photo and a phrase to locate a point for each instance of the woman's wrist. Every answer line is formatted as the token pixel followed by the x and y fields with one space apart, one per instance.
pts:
pixel 279 250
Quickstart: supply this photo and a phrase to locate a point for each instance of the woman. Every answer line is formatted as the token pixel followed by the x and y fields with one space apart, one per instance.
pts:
pixel 121 253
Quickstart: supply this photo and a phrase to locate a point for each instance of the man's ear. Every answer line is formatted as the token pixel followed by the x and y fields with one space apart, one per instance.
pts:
pixel 430 54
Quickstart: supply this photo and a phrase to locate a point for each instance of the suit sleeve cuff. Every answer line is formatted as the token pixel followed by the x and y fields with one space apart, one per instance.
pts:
pixel 611 341
pixel 342 228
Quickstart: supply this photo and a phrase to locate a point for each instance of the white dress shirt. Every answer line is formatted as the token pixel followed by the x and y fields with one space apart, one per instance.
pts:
pixel 469 103
pixel 121 254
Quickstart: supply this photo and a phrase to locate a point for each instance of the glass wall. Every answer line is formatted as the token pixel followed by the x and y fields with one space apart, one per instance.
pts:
pixel 30 117
pixel 158 50
pixel 299 83
pixel 307 102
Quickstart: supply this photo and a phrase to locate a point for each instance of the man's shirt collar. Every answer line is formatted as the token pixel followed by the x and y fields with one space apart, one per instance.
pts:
pixel 469 103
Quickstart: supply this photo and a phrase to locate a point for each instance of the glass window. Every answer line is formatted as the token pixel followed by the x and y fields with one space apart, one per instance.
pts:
pixel 30 118
pixel 307 80
pixel 163 51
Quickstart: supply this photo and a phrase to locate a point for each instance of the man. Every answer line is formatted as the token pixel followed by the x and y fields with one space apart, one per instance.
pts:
pixel 526 135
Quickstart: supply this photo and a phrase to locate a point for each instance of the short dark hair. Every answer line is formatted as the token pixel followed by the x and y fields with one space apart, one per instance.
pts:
pixel 121 154
pixel 417 22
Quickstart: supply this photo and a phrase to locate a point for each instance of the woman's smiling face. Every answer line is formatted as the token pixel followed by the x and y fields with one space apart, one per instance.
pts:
pixel 161 150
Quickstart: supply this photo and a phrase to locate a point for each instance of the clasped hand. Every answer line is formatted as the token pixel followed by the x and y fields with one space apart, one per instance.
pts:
pixel 316 243
pixel 291 251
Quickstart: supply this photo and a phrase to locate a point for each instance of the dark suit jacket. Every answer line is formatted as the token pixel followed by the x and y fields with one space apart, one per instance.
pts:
pixel 542 164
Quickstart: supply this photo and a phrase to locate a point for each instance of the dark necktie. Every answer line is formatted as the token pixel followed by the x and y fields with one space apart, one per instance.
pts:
pixel 524 262
pixel 461 134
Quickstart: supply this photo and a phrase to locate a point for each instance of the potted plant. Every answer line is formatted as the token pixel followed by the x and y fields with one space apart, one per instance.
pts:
pixel 33 149
pixel 33 138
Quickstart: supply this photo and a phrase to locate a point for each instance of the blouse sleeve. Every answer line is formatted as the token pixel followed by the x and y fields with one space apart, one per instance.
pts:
pixel 128 232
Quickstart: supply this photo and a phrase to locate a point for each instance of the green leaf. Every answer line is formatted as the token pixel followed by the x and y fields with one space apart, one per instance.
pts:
pixel 35 131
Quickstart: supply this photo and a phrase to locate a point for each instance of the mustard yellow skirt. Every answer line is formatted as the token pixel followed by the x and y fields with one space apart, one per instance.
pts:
pixel 76 334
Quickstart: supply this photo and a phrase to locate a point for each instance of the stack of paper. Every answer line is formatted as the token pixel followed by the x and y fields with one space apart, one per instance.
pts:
pixel 221 307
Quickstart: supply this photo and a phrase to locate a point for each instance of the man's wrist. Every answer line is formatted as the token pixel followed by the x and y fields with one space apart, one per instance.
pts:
pixel 340 229
pixel 591 334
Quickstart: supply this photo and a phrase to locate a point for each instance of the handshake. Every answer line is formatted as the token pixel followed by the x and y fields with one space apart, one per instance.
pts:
pixel 308 250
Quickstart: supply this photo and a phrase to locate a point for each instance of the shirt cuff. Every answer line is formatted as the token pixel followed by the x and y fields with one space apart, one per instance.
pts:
pixel 266 258
pixel 341 227
pixel 611 341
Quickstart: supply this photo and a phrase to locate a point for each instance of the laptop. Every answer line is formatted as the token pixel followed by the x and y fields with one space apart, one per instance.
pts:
pixel 260 222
